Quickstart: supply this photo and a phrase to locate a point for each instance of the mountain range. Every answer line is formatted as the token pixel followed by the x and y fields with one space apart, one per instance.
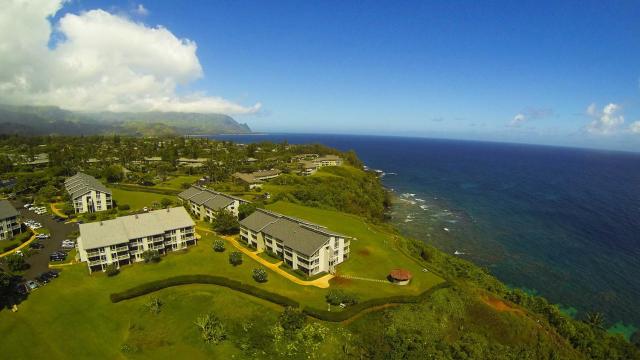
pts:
pixel 51 120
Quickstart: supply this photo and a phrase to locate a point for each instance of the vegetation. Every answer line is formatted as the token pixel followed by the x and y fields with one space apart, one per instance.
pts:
pixel 235 258
pixel 245 210
pixel 151 256
pixel 218 245
pixel 112 269
pixel 211 328
pixel 15 262
pixel 260 275
pixel 338 297
pixel 225 223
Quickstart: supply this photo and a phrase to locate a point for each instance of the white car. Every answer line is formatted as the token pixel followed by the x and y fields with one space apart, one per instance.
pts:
pixel 26 206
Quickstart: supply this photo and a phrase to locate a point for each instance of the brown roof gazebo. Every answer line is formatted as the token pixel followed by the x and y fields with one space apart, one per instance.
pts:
pixel 400 276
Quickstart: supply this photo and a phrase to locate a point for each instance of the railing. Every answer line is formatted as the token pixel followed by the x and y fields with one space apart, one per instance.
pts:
pixel 122 248
pixel 158 247
pixel 96 262
pixel 93 253
pixel 123 257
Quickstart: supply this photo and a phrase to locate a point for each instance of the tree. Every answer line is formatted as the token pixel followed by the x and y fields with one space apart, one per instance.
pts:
pixel 235 258
pixel 113 173
pixel 124 207
pixel 259 275
pixel 211 328
pixel 151 256
pixel 16 262
pixel 291 319
pixel 112 269
pixel 245 210
pixel 218 245
pixel 166 202
pixel 595 319
pixel 226 223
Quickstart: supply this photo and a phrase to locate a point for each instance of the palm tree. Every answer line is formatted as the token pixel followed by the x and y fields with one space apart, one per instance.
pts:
pixel 595 319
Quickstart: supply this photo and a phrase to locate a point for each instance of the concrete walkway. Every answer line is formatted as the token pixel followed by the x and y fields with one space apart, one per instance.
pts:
pixel 322 282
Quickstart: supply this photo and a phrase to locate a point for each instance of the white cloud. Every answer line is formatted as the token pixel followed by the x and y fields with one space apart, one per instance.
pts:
pixel 141 10
pixel 518 119
pixel 101 62
pixel 605 122
pixel 635 127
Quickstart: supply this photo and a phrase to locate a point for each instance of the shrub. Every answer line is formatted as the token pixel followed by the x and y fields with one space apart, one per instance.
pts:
pixel 235 258
pixel 291 319
pixel 124 207
pixel 151 256
pixel 16 262
pixel 154 305
pixel 166 202
pixel 337 297
pixel 211 328
pixel 112 269
pixel 259 275
pixel 10 247
pixel 218 245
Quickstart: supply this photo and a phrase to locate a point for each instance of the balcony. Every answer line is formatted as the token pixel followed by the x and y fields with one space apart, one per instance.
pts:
pixel 93 253
pixel 96 262
pixel 122 248
pixel 123 257
pixel 158 247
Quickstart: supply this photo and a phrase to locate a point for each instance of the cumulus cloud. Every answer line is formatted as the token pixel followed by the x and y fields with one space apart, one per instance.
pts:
pixel 605 121
pixel 100 62
pixel 635 127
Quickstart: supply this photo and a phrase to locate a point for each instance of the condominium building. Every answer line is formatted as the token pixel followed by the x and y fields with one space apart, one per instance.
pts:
pixel 205 203
pixel 308 247
pixel 309 167
pixel 88 194
pixel 9 220
pixel 123 240
pixel 256 178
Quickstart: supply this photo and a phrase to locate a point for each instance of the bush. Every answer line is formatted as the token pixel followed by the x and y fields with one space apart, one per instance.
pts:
pixel 337 297
pixel 151 256
pixel 211 328
pixel 124 207
pixel 16 262
pixel 260 275
pixel 235 258
pixel 10 247
pixel 202 279
pixel 218 245
pixel 112 269
pixel 226 223
pixel 291 319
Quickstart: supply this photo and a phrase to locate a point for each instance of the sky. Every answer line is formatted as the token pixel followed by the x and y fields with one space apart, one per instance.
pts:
pixel 545 72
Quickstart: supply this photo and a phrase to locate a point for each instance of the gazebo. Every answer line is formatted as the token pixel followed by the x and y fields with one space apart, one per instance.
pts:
pixel 400 276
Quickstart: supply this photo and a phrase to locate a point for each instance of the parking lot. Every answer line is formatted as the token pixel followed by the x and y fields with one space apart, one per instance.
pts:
pixel 59 231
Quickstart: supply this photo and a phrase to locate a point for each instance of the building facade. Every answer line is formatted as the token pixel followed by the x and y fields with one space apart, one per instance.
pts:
pixel 9 220
pixel 304 246
pixel 88 194
pixel 122 241
pixel 205 203
pixel 309 167
pixel 256 178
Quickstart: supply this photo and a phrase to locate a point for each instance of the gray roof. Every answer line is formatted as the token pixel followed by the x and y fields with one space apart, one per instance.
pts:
pixel 259 219
pixel 209 198
pixel 299 235
pixel 122 229
pixel 7 210
pixel 81 183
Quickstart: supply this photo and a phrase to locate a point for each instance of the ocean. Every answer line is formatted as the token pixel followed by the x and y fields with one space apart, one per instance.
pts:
pixel 561 222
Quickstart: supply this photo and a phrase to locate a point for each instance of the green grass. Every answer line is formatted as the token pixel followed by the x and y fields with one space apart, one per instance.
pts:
pixel 138 199
pixel 372 253
pixel 268 257
pixel 176 182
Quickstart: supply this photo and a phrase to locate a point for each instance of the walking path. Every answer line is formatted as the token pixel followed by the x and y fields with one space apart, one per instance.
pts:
pixel 26 243
pixel 364 279
pixel 322 282
pixel 57 211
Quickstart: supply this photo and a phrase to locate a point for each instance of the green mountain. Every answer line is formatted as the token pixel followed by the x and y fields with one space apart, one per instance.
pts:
pixel 51 120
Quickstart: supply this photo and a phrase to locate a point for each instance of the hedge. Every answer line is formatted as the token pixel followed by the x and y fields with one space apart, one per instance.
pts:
pixel 353 310
pixel 202 279
pixel 10 247
pixel 141 188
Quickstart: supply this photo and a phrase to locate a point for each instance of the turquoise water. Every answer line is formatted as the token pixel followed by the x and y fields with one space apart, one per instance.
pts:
pixel 563 222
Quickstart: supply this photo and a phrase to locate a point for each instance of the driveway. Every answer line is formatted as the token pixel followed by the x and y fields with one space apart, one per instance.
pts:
pixel 39 261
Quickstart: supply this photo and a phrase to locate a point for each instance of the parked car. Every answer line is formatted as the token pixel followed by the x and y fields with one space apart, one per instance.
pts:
pixel 53 273
pixel 27 205
pixel 31 285
pixel 36 245
pixel 43 278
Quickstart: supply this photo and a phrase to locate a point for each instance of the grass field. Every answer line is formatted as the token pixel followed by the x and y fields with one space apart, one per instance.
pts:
pixel 138 199
pixel 76 306
pixel 176 182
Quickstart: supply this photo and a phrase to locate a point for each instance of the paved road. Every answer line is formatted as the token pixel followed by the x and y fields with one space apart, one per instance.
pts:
pixel 39 261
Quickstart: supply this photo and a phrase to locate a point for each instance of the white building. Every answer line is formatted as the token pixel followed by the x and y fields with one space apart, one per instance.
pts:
pixel 304 246
pixel 123 240
pixel 88 194
pixel 9 220
pixel 205 203
pixel 309 167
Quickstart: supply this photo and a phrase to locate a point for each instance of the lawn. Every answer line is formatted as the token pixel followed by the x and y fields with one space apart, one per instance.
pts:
pixel 78 303
pixel 372 253
pixel 138 199
pixel 176 182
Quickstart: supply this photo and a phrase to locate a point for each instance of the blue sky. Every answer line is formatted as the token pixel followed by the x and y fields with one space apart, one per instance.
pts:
pixel 453 69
